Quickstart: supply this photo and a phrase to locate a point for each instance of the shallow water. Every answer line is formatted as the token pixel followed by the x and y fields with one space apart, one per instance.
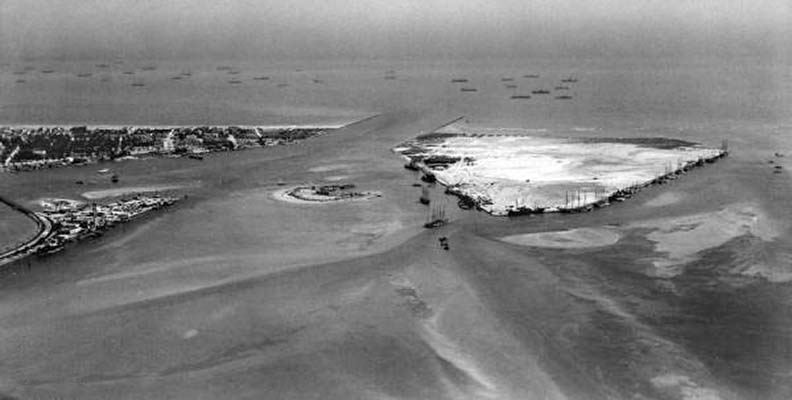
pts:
pixel 236 294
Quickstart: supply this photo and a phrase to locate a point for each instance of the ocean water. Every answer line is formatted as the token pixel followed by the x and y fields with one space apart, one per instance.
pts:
pixel 236 294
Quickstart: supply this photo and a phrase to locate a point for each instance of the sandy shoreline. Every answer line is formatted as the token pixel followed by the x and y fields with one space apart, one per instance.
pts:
pixel 287 195
pixel 115 192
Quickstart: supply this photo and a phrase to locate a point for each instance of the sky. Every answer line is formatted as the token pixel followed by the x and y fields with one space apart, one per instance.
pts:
pixel 305 29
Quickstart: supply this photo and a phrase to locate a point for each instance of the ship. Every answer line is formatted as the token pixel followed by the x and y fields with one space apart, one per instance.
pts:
pixel 261 78
pixel 570 80
pixel 138 84
pixel 464 89
pixel 436 218
pixel 507 79
pixel 149 68
pixel 531 76
pixel 540 91
pixel 425 199
pixel 128 72
pixel 562 88
pixel 511 86
pixel 565 97
pixel 235 81
pixel 84 75
pixel 458 80
pixel 102 66
pixel 47 71
pixel 520 96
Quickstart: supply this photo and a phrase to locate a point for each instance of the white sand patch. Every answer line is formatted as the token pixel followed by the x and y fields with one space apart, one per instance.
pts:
pixel 665 199
pixel 685 387
pixel 329 167
pixel 53 203
pixel 509 171
pixel 190 334
pixel 569 239
pixel 115 192
pixel 681 238
pixel 336 178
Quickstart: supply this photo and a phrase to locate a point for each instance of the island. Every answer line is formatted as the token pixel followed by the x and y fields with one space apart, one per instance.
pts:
pixel 509 172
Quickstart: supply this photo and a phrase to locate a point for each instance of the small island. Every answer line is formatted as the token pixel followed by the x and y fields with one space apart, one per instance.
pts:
pixel 324 194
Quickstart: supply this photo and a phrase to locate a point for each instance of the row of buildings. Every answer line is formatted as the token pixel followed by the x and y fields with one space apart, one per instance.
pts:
pixel 33 147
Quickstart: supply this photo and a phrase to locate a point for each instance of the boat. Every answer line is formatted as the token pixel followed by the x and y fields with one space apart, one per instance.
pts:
pixel 564 97
pixel 177 77
pixel 531 76
pixel 235 81
pixel 458 80
pixel 149 68
pixel 468 89
pixel 540 91
pixel 84 75
pixel 103 171
pixel 507 79
pixel 128 72
pixel 114 178
pixel 511 86
pixel 436 218
pixel 261 78
pixel 570 80
pixel 195 157
pixel 102 65
pixel 425 199
pixel 138 84
pixel 520 96
pixel 47 71
pixel 562 88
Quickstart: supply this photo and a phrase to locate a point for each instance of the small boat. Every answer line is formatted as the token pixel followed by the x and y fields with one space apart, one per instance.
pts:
pixel 103 171
pixel 540 91
pixel 465 89
pixel 437 218
pixel 138 84
pixel 114 178
pixel 128 72
pixel 511 86
pixel 507 79
pixel 177 77
pixel 195 157
pixel 149 68
pixel 102 65
pixel 47 71
pixel 261 78
pixel 84 75
pixel 565 97
pixel 235 81
pixel 318 81
pixel 520 96
pixel 570 80
pixel 282 85
pixel 531 76
pixel 424 199
pixel 562 88
pixel 458 80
